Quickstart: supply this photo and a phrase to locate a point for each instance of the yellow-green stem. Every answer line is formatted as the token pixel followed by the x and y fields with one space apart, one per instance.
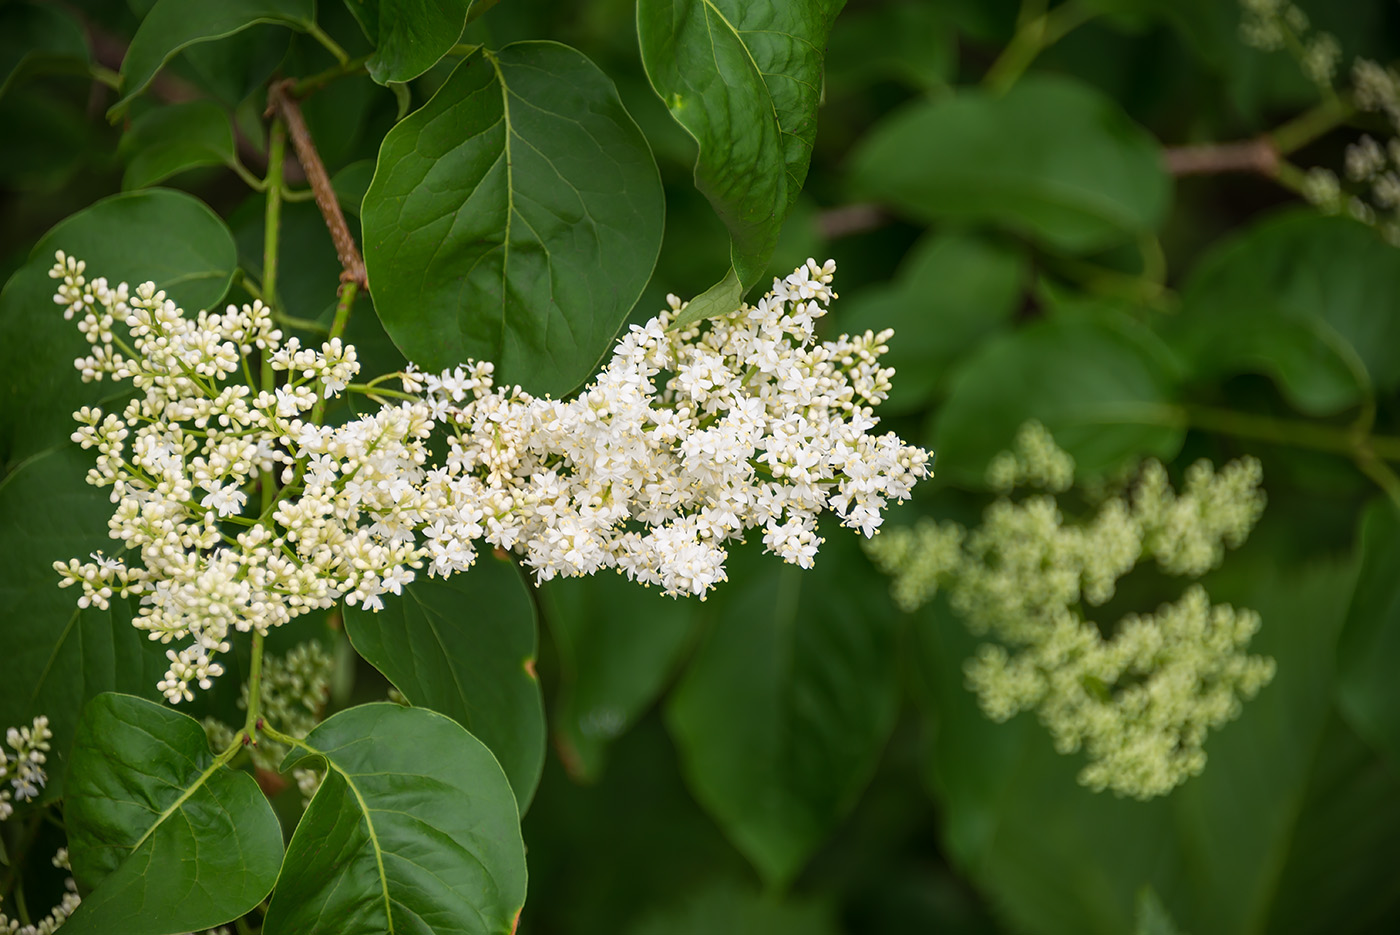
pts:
pixel 250 726
pixel 1034 35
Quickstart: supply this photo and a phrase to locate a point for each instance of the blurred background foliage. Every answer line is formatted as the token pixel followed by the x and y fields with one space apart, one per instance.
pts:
pixel 793 756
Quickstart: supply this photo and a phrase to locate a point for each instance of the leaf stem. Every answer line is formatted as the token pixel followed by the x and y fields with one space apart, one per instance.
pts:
pixel 1311 125
pixel 330 45
pixel 1035 34
pixel 251 725
pixel 276 155
pixel 316 82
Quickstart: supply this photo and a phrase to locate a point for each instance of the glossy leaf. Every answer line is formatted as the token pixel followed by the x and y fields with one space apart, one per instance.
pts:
pixel 164 236
pixel 619 644
pixel 1052 159
pixel 409 36
pixel 952 292
pixel 1367 691
pixel 514 218
pixel 169 140
pixel 56 656
pixel 38 37
pixel 414 829
pixel 173 25
pixel 782 714
pixel 743 79
pixel 1302 298
pixel 464 646
pixel 1096 380
pixel 168 838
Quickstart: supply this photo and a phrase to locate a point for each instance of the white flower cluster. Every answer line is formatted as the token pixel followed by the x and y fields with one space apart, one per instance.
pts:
pixel 687 439
pixel 1271 25
pixel 184 454
pixel 242 511
pixel 1138 698
pixel 22 772
pixel 57 916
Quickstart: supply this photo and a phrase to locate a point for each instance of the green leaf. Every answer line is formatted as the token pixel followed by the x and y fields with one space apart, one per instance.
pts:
pixel 409 36
pixel 743 79
pixel 619 644
pixel 169 140
pixel 464 646
pixel 1095 379
pixel 173 25
pixel 725 907
pixel 952 292
pixel 164 236
pixel 1058 859
pixel 171 838
pixel 414 829
pixel 514 218
pixel 914 44
pixel 36 38
pixel 1053 159
pixel 1303 298
pixel 1367 692
pixel 782 715
pixel 56 656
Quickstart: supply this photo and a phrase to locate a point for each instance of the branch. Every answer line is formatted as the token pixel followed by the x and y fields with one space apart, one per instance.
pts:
pixel 280 100
pixel 1257 155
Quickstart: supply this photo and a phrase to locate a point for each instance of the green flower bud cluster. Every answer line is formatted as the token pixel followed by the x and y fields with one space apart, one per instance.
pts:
pixel 1138 698
pixel 294 689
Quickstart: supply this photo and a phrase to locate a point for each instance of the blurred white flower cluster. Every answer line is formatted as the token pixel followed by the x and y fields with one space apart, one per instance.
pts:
pixel 1140 697
pixel 22 775
pixel 237 510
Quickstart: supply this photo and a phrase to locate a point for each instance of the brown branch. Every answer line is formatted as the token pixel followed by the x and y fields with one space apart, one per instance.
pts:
pixel 279 99
pixel 1257 155
pixel 851 219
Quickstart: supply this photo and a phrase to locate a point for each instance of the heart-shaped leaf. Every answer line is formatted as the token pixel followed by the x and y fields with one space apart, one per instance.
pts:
pixel 172 25
pixel 745 80
pixel 56 656
pixel 1053 158
pixel 169 837
pixel 782 715
pixel 514 218
pixel 414 829
pixel 409 36
pixel 160 235
pixel 464 646
pixel 168 140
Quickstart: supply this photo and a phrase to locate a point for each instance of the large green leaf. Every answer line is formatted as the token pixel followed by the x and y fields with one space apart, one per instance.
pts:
pixel 1095 379
pixel 744 79
pixel 168 140
pixel 1057 859
pixel 38 37
pixel 1304 298
pixel 414 829
pixel 172 25
pixel 464 646
pixel 56 657
pixel 515 218
pixel 1367 690
pixel 952 292
pixel 168 838
pixel 409 36
pixel 164 236
pixel 1053 159
pixel 783 713
pixel 619 645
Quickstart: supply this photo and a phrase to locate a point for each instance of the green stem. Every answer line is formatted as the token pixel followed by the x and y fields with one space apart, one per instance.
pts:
pixel 1376 469
pixel 318 81
pixel 251 726
pixel 1294 433
pixel 1034 35
pixel 106 76
pixel 305 324
pixel 21 850
pixel 1311 125
pixel 330 45
pixel 372 391
pixel 276 156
